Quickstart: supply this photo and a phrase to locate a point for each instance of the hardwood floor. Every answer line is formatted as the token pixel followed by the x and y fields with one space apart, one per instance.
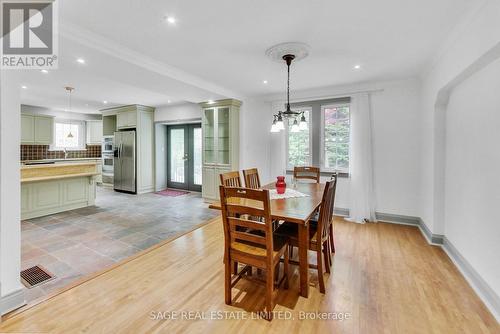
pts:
pixel 385 277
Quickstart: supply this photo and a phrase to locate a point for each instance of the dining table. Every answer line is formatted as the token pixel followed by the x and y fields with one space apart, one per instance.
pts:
pixel 297 210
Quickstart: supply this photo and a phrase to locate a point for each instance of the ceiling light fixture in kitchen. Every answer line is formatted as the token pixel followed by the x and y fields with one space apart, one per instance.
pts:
pixel 69 90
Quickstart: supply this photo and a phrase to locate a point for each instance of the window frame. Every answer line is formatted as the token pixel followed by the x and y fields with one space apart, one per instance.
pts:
pixel 82 135
pixel 322 138
pixel 287 133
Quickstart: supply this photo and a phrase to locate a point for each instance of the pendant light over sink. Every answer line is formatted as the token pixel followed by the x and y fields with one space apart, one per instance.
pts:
pixel 69 90
pixel 289 52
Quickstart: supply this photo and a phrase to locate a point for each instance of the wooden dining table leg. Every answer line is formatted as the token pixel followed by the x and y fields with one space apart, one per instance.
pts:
pixel 303 259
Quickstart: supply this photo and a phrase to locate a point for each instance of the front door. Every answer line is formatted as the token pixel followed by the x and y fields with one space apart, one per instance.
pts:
pixel 184 157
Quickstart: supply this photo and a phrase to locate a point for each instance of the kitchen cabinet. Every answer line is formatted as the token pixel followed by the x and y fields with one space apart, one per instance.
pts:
pixel 126 119
pixel 37 129
pixel 49 189
pixel 27 129
pixel 220 128
pixel 108 125
pixel 94 132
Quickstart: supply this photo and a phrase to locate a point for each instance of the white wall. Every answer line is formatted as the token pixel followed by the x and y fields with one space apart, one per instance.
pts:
pixel 184 112
pixel 472 182
pixel 395 112
pixel 470 46
pixel 10 188
pixel 255 145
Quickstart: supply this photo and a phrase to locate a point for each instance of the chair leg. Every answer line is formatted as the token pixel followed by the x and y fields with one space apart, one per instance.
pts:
pixel 326 251
pixel 320 271
pixel 332 244
pixel 227 281
pixel 269 292
pixel 277 273
pixel 286 268
pixel 235 267
pixel 329 253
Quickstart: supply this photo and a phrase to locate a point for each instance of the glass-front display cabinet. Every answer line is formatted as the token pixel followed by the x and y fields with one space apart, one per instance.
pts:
pixel 220 126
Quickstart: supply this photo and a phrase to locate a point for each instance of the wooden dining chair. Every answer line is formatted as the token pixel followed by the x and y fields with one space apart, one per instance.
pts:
pixel 231 179
pixel 251 177
pixel 256 246
pixel 319 234
pixel 306 172
pixel 334 178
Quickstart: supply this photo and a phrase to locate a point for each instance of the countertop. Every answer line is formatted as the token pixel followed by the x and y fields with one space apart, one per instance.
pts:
pixel 53 166
pixel 60 160
pixel 36 173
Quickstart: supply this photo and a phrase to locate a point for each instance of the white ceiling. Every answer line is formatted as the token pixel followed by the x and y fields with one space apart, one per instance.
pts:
pixel 217 48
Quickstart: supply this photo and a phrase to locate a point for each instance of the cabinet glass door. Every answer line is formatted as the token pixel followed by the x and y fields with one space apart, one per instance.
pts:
pixel 209 136
pixel 223 135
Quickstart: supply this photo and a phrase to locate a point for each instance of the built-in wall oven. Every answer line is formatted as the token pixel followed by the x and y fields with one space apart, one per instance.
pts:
pixel 107 160
pixel 107 163
pixel 107 144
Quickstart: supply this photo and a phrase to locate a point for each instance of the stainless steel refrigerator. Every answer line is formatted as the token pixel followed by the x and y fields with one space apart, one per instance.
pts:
pixel 124 159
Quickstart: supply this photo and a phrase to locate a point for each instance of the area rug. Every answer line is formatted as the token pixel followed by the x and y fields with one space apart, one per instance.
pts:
pixel 172 192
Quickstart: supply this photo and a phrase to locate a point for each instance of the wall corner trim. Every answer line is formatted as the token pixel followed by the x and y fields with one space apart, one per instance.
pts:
pixel 12 301
pixel 483 289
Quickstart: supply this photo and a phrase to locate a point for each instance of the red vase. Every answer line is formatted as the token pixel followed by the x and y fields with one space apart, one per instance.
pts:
pixel 281 185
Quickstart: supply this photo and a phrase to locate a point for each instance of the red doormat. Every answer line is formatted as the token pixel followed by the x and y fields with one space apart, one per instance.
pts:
pixel 172 193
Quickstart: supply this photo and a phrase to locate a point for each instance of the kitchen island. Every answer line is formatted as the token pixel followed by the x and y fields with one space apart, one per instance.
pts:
pixel 52 188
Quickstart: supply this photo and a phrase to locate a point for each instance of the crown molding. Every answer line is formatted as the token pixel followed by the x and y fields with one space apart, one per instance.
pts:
pixel 94 41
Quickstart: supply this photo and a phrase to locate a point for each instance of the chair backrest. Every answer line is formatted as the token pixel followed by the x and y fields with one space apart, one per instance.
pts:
pixel 251 177
pixel 231 179
pixel 326 210
pixel 306 172
pixel 243 210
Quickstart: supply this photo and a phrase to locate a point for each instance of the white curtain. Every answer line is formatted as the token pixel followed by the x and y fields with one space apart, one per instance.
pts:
pixel 361 202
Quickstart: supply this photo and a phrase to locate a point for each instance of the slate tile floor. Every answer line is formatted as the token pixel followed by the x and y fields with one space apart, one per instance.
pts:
pixel 77 243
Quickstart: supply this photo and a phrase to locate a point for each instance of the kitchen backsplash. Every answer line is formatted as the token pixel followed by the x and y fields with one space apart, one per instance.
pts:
pixel 40 152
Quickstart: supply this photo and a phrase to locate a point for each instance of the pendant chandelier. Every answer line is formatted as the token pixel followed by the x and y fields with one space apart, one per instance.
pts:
pixel 289 114
pixel 69 90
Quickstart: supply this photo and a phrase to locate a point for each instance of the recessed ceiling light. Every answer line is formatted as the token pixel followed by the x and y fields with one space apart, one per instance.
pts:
pixel 357 67
pixel 171 19
pixel 44 71
pixel 81 60
pixel 24 87
pixel 105 102
pixel 264 82
pixel 210 102
pixel 169 101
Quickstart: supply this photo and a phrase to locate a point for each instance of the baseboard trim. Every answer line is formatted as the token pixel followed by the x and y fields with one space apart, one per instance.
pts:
pixel 12 301
pixel 483 290
pixel 342 212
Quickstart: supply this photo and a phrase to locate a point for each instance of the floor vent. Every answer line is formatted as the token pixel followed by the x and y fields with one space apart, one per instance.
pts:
pixel 35 276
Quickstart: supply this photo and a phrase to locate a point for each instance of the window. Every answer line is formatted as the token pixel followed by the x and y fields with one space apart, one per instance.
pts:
pixel 62 128
pixel 335 130
pixel 299 143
